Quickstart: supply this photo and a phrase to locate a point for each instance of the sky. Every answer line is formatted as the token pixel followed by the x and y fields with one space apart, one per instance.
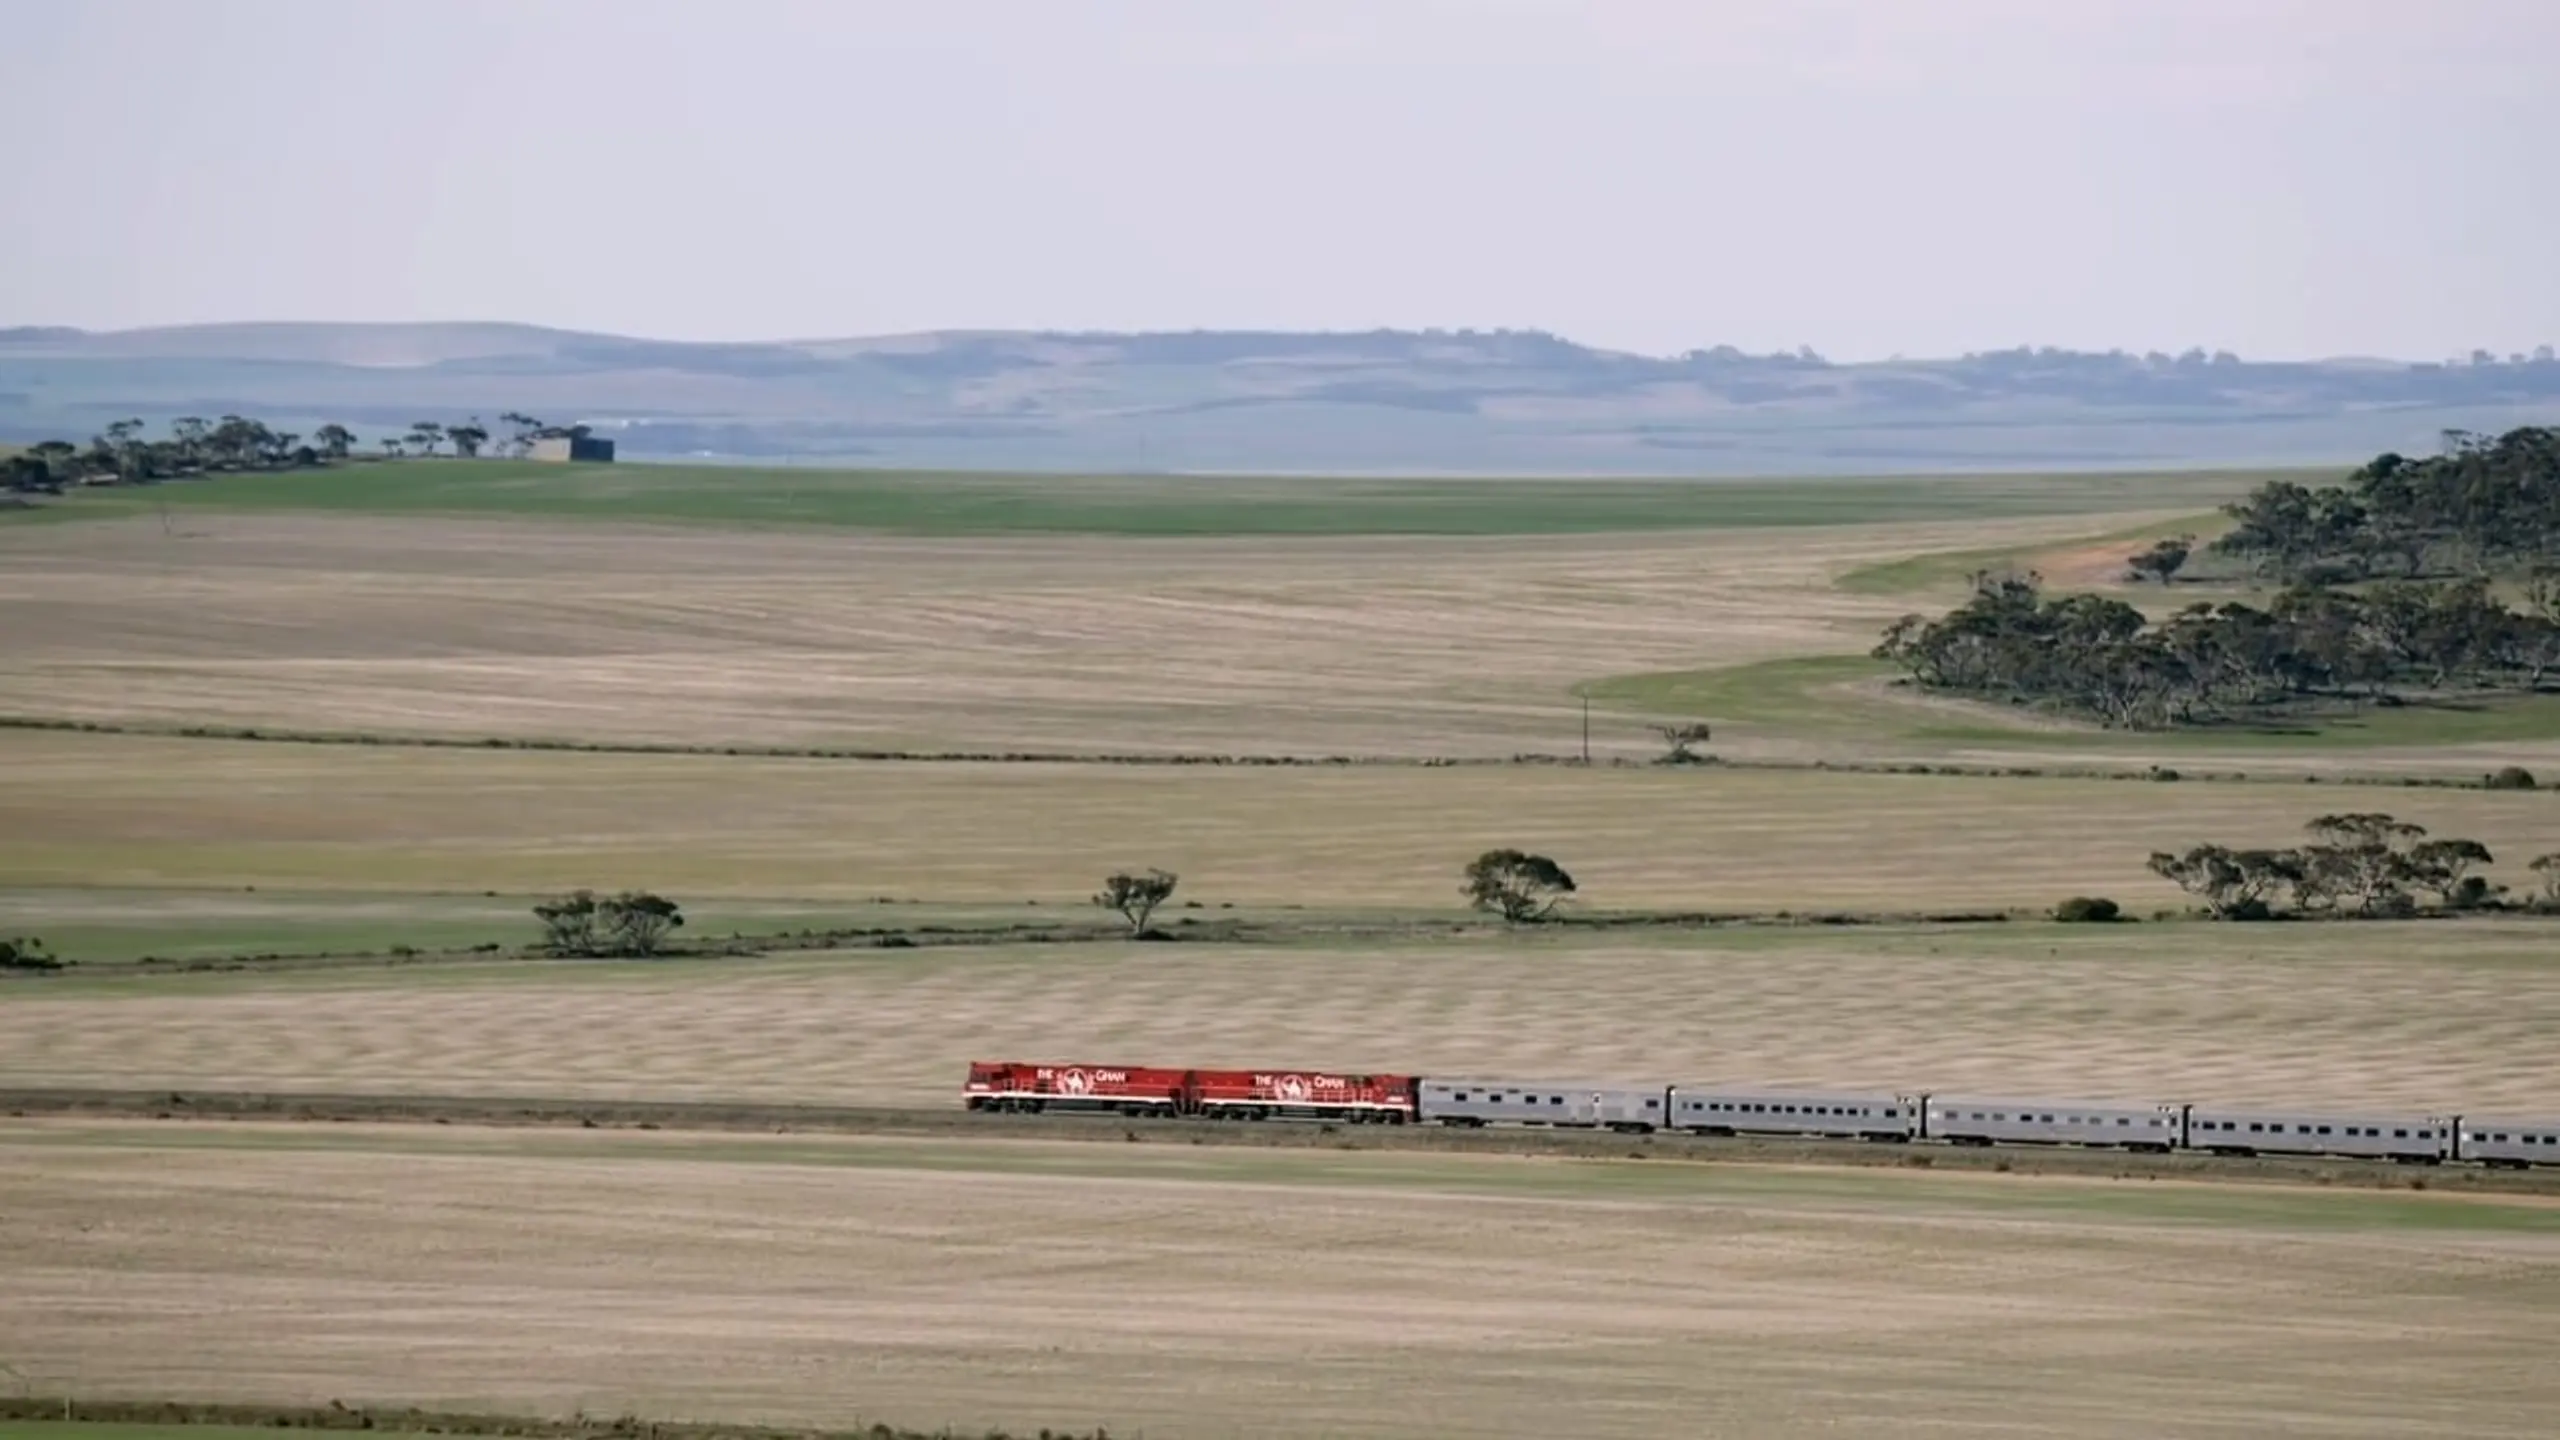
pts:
pixel 2280 178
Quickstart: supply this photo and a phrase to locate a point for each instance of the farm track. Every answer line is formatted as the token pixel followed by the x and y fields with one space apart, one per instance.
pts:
pixel 216 1106
pixel 1245 760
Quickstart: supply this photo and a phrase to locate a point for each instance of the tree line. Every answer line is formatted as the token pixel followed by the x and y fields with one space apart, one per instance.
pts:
pixel 2366 866
pixel 2099 658
pixel 124 453
pixel 2482 506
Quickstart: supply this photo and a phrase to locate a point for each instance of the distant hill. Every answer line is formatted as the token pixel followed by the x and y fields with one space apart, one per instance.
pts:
pixel 1380 401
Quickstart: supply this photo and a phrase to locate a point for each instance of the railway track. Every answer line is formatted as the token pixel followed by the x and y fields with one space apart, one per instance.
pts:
pixel 952 1122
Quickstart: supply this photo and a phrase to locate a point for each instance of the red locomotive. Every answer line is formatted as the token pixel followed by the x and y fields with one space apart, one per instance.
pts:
pixel 1208 1094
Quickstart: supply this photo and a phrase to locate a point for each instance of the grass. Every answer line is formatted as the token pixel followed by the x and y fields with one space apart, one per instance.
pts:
pixel 1181 1292
pixel 1840 696
pixel 945 504
pixel 1951 569
pixel 2426 1016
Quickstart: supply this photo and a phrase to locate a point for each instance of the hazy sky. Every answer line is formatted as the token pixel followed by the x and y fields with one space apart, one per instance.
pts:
pixel 2278 177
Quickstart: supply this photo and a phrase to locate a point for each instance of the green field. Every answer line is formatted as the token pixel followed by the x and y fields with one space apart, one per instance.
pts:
pixel 1843 697
pixel 930 503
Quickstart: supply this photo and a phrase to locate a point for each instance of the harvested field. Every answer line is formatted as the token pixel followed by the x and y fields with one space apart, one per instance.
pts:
pixel 1407 645
pixel 2431 1017
pixel 86 810
pixel 1176 1292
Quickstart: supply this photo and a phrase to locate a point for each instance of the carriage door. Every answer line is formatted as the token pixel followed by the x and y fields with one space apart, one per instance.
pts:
pixel 1583 1108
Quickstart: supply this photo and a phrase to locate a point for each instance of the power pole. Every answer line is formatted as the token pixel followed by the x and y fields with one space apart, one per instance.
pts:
pixel 1586 727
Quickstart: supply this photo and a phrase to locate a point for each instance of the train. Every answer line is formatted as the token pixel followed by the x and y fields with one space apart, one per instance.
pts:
pixel 1895 1117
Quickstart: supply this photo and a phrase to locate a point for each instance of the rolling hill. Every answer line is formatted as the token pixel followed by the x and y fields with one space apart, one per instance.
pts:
pixel 1380 402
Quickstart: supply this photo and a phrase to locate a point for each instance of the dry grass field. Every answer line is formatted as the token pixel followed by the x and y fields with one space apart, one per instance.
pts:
pixel 139 812
pixel 1176 1293
pixel 1390 645
pixel 2427 1017
pixel 1158 1289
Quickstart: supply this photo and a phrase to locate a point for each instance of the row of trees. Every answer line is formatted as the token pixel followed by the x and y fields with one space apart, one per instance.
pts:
pixel 2099 658
pixel 2365 865
pixel 193 446
pixel 2481 507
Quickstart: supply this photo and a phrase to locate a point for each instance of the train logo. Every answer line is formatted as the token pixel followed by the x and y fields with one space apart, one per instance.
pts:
pixel 1074 1082
pixel 1291 1088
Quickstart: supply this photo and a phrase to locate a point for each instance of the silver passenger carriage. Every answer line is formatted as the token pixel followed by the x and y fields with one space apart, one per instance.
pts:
pixel 1867 1115
pixel 1964 1120
pixel 2508 1144
pixel 1614 1106
pixel 2423 1139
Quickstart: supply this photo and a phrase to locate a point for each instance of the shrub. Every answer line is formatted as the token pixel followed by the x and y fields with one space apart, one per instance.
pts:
pixel 2088 910
pixel 1521 888
pixel 27 953
pixel 2512 777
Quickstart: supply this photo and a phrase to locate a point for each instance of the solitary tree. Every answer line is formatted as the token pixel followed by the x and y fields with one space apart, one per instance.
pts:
pixel 2163 560
pixel 468 437
pixel 1678 738
pixel 335 440
pixel 637 922
pixel 1520 887
pixel 1136 897
pixel 426 435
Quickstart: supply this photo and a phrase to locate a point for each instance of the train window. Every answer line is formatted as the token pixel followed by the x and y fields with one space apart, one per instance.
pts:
pixel 1890 1113
pixel 2399 1134
pixel 1653 1104
pixel 2324 1129
pixel 1555 1099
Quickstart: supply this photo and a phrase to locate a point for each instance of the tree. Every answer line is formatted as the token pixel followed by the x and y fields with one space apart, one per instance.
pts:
pixel 27 953
pixel 27 473
pixel 426 435
pixel 2443 868
pixel 1136 897
pixel 2233 884
pixel 637 922
pixel 189 433
pixel 1678 739
pixel 2163 560
pixel 467 438
pixel 392 449
pixel 570 924
pixel 2361 858
pixel 525 428
pixel 336 441
pixel 1520 887
pixel 2546 869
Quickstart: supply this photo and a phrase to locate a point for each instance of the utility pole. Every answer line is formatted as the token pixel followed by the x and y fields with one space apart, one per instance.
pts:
pixel 1586 727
